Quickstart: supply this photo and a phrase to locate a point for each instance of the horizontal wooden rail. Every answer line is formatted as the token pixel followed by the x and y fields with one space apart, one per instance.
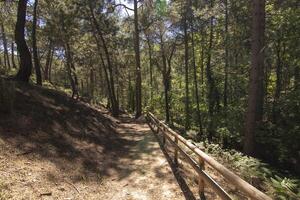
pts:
pixel 230 177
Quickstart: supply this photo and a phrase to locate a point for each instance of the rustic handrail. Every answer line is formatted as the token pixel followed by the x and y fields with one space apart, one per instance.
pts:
pixel 232 178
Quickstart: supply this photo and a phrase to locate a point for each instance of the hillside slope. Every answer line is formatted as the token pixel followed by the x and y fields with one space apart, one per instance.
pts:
pixel 53 147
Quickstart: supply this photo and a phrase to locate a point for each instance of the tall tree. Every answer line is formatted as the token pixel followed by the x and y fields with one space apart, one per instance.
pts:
pixel 48 60
pixel 138 82
pixel 37 65
pixel 4 40
pixel 24 53
pixel 186 65
pixel 197 98
pixel 213 94
pixel 226 55
pixel 254 110
pixel 108 68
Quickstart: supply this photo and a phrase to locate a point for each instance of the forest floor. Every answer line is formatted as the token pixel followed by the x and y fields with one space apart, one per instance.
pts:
pixel 53 147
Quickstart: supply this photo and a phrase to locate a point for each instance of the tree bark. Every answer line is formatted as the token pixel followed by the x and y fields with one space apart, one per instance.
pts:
pixel 37 64
pixel 254 110
pixel 48 61
pixel 50 65
pixel 71 71
pixel 4 40
pixel 166 79
pixel 13 55
pixel 226 56
pixel 186 67
pixel 199 118
pixel 150 70
pixel 114 102
pixel 138 83
pixel 212 90
pixel 24 53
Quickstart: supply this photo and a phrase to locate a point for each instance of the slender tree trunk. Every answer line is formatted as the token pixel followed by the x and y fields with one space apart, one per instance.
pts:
pixel 151 70
pixel 114 102
pixel 278 71
pixel 254 111
pixel 210 81
pixel 92 83
pixel 186 67
pixel 226 56
pixel 108 83
pixel 4 40
pixel 278 80
pixel 13 55
pixel 37 64
pixel 165 80
pixel 48 59
pixel 202 62
pixel 50 65
pixel 24 53
pixel 71 71
pixel 138 83
pixel 199 119
pixel 297 78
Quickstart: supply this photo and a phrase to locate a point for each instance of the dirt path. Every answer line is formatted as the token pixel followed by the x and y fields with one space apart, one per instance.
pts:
pixel 124 163
pixel 150 177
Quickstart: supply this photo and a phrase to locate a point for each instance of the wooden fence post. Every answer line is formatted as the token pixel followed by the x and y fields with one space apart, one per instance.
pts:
pixel 164 138
pixel 200 180
pixel 176 153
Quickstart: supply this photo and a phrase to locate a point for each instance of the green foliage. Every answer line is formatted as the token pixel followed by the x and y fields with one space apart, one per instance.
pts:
pixel 256 172
pixel 284 188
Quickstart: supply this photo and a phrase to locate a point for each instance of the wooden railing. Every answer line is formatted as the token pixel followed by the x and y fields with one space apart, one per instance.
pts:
pixel 199 165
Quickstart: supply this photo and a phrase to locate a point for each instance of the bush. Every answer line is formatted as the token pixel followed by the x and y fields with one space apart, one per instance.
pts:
pixel 257 173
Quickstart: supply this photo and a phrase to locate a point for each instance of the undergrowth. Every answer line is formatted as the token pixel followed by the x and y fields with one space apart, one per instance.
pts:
pixel 259 174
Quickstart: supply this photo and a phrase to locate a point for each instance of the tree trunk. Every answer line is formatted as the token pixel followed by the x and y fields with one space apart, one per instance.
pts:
pixel 4 40
pixel 278 80
pixel 13 55
pixel 24 53
pixel 48 61
pixel 50 65
pixel 114 102
pixel 138 83
pixel 166 81
pixel 210 82
pixel 71 71
pixel 297 78
pixel 37 65
pixel 254 110
pixel 186 67
pixel 199 119
pixel 92 83
pixel 226 56
pixel 150 70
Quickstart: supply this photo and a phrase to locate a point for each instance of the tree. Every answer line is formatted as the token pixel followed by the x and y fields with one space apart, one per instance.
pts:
pixel 254 110
pixel 226 35
pixel 186 66
pixel 37 64
pixel 213 94
pixel 138 82
pixel 4 40
pixel 108 68
pixel 24 53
